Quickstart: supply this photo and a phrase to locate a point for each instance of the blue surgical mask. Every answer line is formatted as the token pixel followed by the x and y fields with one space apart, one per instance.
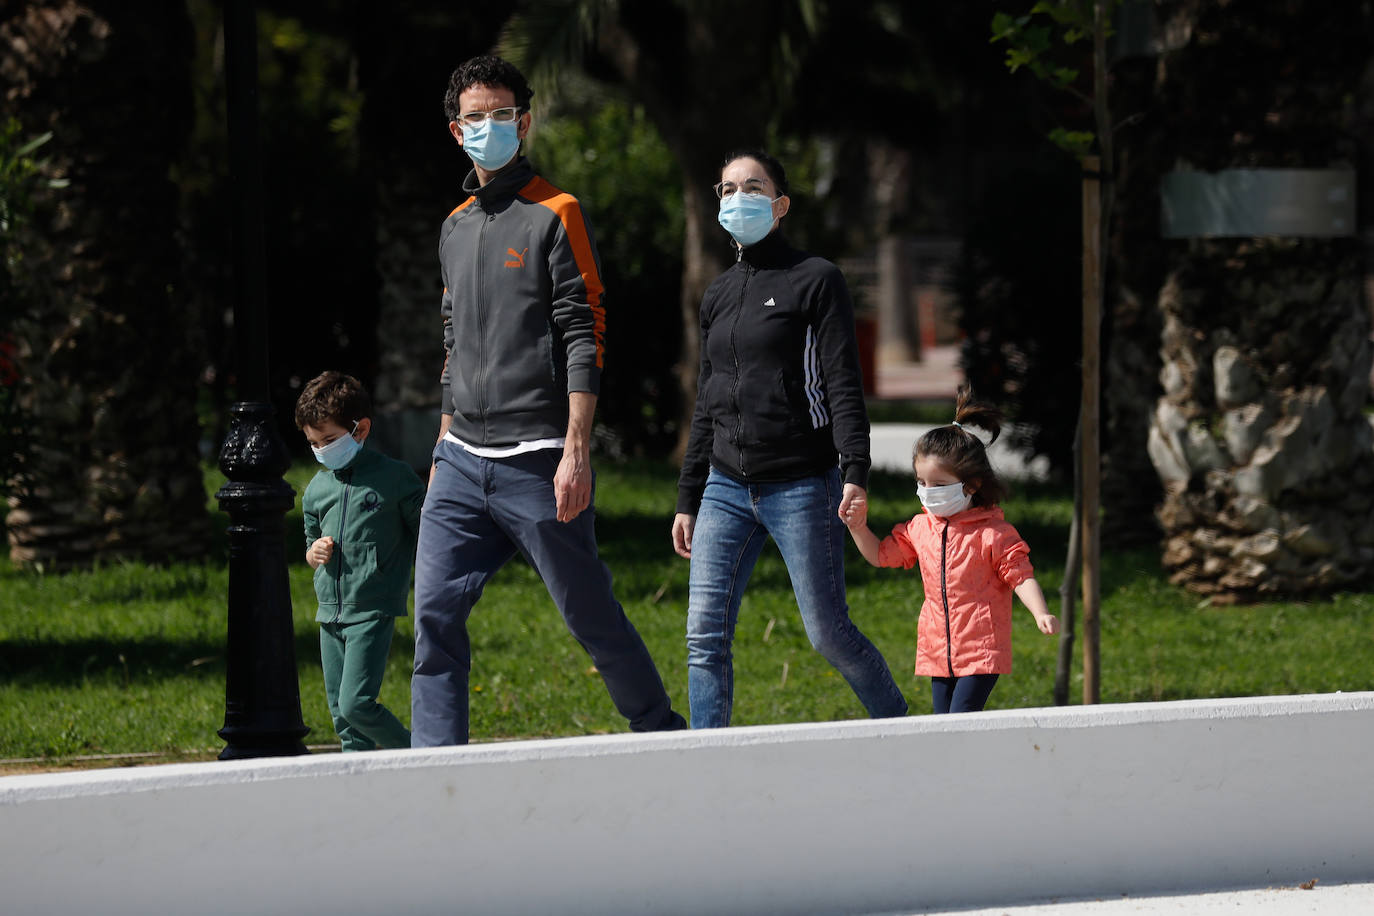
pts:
pixel 491 144
pixel 747 217
pixel 944 501
pixel 338 453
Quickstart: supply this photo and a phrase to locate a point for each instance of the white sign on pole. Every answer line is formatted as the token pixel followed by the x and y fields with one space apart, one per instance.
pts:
pixel 1258 202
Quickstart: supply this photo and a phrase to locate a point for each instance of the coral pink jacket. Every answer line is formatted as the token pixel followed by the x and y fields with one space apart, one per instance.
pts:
pixel 970 563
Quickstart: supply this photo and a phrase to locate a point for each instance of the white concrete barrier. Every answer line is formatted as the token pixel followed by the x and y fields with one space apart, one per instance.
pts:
pixel 850 817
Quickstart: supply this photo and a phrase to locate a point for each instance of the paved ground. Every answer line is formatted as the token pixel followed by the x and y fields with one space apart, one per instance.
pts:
pixel 935 377
pixel 891 445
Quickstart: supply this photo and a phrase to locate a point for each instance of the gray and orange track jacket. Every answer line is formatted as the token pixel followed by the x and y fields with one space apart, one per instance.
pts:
pixel 523 318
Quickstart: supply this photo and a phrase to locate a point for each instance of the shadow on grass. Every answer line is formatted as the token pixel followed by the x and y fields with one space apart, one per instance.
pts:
pixel 67 663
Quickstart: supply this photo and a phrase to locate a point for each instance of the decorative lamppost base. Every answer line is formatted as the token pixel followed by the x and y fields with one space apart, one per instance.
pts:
pixel 262 713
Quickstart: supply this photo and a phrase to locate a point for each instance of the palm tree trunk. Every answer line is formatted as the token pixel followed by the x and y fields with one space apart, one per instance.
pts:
pixel 1260 439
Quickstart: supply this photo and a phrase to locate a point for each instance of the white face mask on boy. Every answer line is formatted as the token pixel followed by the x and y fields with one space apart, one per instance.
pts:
pixel 946 500
pixel 338 453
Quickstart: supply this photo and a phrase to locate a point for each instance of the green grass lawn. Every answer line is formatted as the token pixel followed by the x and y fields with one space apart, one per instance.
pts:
pixel 129 658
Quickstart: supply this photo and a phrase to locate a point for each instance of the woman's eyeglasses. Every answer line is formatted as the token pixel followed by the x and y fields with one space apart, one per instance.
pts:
pixel 751 186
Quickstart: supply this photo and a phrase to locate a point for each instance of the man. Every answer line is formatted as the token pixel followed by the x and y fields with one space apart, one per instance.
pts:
pixel 523 335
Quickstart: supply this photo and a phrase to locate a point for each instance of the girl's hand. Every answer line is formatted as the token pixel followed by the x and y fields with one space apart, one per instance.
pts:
pixel 318 553
pixel 1030 594
pixel 854 506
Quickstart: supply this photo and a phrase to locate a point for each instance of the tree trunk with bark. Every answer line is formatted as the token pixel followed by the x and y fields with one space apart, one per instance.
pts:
pixel 670 70
pixel 1260 439
pixel 109 466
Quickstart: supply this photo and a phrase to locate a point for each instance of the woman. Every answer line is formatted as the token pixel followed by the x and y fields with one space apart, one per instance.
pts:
pixel 779 396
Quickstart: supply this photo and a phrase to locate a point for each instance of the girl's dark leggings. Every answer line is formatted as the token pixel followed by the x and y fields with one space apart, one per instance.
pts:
pixel 961 694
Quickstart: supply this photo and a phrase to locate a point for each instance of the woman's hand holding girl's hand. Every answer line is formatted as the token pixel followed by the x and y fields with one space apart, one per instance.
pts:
pixel 854 506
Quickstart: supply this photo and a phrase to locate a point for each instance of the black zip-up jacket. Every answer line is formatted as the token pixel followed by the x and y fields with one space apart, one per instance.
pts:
pixel 780 393
pixel 524 322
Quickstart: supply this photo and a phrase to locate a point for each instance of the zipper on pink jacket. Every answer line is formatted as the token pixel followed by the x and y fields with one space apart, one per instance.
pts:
pixel 944 597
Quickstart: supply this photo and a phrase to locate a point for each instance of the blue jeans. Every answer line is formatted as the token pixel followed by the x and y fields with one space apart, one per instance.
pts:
pixel 477 514
pixel 731 526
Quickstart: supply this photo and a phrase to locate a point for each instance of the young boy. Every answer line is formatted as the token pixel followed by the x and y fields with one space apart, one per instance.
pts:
pixel 362 514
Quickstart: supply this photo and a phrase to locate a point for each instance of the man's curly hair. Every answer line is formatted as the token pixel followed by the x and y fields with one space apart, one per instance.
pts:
pixel 332 397
pixel 486 70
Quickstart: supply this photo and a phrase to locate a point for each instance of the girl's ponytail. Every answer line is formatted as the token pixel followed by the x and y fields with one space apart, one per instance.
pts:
pixel 968 412
pixel 962 452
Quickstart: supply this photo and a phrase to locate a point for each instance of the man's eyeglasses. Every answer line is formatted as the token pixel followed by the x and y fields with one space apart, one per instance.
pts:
pixel 499 115
pixel 751 186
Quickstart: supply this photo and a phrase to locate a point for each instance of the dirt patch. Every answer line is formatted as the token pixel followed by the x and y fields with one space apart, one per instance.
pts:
pixel 29 765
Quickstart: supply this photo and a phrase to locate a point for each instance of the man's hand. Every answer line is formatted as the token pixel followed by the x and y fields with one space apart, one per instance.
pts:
pixel 572 483
pixel 445 421
pixel 683 526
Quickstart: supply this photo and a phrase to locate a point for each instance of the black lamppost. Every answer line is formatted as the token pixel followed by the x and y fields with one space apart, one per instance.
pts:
pixel 262 700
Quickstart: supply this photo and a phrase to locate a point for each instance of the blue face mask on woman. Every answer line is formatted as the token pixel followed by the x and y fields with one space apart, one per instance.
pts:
pixel 492 143
pixel 747 217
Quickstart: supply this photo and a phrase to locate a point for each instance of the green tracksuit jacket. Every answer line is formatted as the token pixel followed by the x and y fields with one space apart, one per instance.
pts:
pixel 371 508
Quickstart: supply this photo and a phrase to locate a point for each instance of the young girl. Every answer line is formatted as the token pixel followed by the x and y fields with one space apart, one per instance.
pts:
pixel 971 561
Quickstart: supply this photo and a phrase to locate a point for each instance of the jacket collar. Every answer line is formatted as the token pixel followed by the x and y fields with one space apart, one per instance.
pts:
pixel 771 251
pixel 365 457
pixel 503 185
pixel 979 515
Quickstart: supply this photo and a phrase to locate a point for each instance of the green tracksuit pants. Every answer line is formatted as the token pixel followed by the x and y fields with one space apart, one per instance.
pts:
pixel 354 659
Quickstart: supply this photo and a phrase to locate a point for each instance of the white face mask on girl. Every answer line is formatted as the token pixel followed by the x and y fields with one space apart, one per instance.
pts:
pixel 944 501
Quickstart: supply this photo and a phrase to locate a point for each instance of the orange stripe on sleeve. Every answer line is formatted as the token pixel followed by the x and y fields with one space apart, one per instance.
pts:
pixel 565 206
